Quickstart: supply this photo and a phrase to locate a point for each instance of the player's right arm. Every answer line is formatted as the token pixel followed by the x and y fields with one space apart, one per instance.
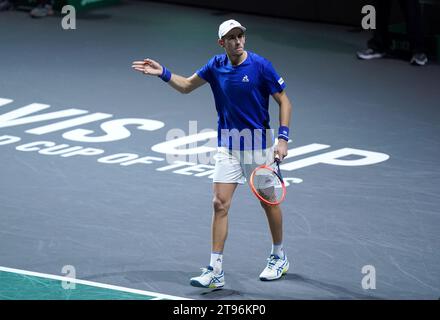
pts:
pixel 181 84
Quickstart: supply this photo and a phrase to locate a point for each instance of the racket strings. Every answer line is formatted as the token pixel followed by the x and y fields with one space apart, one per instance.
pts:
pixel 268 185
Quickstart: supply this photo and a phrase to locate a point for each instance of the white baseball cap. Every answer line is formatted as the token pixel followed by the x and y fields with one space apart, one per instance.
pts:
pixel 227 26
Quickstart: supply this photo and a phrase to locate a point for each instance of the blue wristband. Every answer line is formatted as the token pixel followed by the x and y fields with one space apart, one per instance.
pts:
pixel 166 74
pixel 283 133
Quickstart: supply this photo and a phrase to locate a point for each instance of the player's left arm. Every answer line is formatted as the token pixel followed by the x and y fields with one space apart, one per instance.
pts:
pixel 285 114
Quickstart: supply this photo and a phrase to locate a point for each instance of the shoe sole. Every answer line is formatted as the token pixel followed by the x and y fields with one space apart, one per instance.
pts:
pixel 197 284
pixel 371 57
pixel 418 63
pixel 282 274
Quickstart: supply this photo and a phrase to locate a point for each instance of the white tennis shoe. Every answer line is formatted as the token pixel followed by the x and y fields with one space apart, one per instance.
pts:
pixel 275 268
pixel 208 279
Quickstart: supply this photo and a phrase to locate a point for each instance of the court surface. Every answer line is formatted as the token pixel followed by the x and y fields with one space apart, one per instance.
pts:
pixel 363 198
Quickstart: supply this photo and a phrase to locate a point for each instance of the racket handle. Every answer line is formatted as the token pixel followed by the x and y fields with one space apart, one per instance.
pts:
pixel 278 172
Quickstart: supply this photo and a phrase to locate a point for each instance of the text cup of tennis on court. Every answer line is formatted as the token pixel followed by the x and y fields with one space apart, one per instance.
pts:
pixel 250 146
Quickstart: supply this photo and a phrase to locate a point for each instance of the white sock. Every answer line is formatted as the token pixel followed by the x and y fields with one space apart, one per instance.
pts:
pixel 216 262
pixel 277 249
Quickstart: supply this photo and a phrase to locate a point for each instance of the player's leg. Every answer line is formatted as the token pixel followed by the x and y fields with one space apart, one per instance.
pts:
pixel 414 25
pixel 227 174
pixel 273 213
pixel 213 275
pixel 275 219
pixel 223 193
pixel 277 263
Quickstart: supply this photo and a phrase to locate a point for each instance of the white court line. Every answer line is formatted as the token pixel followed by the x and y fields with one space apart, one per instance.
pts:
pixel 5 101
pixel 93 284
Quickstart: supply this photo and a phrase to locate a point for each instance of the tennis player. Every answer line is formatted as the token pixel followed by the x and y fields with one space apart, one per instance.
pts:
pixel 242 83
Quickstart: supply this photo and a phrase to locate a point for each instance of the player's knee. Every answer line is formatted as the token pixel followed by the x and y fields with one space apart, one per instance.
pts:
pixel 264 205
pixel 269 207
pixel 220 205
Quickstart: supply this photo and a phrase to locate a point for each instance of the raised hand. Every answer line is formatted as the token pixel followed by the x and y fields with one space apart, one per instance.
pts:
pixel 148 66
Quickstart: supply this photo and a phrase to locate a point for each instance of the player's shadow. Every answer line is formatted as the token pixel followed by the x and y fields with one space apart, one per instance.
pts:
pixel 339 292
pixel 220 294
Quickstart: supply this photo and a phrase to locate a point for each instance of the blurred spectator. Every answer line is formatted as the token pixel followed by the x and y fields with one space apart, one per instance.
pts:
pixel 44 8
pixel 6 5
pixel 379 44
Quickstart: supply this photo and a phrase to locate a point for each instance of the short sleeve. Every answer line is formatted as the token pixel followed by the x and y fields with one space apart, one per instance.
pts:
pixel 272 80
pixel 205 72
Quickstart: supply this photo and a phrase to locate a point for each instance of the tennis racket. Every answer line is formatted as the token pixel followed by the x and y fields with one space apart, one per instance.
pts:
pixel 267 183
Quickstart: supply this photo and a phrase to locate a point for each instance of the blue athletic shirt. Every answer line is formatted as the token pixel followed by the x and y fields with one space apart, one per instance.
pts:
pixel 241 95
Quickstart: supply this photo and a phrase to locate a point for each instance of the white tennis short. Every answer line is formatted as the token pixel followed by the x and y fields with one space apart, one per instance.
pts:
pixel 235 166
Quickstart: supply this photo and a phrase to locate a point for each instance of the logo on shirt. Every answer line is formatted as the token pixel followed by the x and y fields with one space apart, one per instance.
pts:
pixel 280 81
pixel 245 79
